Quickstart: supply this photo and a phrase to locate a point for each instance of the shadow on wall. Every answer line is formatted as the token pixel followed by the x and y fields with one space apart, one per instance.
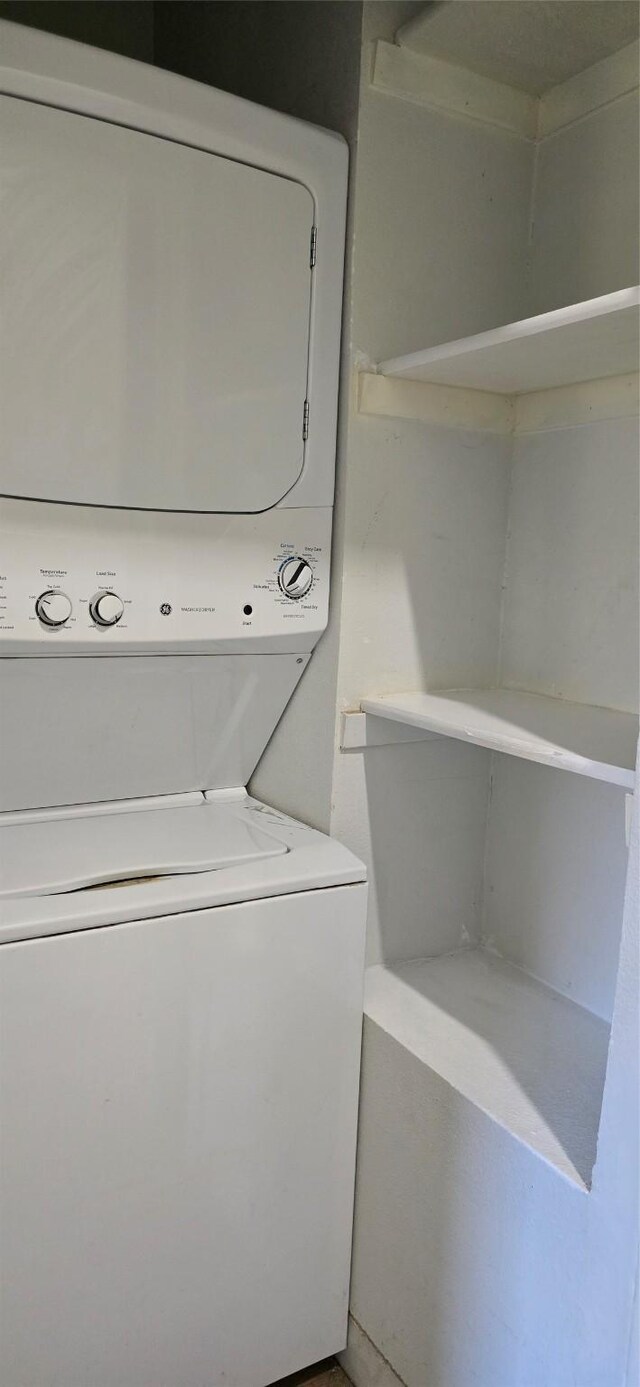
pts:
pixel 426 805
pixel 120 26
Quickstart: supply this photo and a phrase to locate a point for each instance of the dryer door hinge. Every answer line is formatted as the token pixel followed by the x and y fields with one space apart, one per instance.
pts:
pixel 305 421
pixel 313 249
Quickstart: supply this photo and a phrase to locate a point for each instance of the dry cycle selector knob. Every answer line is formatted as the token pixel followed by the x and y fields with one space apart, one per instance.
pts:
pixel 106 608
pixel 295 577
pixel 53 608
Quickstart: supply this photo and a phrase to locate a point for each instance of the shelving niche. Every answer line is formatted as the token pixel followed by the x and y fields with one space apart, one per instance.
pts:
pixel 496 1035
pixel 515 1017
pixel 595 742
pixel 543 969
pixel 582 342
pixel 519 377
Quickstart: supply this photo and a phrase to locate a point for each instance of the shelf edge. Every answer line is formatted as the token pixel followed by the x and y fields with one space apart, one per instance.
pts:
pixel 576 764
pixel 510 334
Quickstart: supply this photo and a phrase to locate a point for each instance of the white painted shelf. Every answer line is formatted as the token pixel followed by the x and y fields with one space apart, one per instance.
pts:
pixel 587 341
pixel 530 1059
pixel 596 742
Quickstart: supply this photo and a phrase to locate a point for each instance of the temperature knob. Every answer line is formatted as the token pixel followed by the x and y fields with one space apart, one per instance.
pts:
pixel 53 608
pixel 106 608
pixel 295 578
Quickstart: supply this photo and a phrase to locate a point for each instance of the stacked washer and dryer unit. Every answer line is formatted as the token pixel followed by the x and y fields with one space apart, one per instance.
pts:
pixel 181 966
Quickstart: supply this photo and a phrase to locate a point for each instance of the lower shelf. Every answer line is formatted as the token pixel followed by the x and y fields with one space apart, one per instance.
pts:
pixel 533 1061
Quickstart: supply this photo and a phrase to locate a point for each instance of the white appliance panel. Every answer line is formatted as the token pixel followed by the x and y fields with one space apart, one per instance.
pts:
pixel 184 581
pixel 155 304
pixel 178 1101
pixel 78 731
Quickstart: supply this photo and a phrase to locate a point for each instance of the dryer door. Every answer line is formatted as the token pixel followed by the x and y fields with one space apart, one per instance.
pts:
pixel 155 304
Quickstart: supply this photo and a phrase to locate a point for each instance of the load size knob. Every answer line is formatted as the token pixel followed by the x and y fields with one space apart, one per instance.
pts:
pixel 295 578
pixel 106 608
pixel 53 607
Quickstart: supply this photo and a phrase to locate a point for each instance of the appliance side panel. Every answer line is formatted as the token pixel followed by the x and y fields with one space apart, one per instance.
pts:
pixel 178 1104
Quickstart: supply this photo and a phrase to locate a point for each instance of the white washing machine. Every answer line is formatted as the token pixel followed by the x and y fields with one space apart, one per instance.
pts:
pixel 180 966
pixel 179 1073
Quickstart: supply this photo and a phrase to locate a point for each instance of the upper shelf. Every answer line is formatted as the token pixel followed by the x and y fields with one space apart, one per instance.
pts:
pixel 586 341
pixel 596 742
pixel 529 46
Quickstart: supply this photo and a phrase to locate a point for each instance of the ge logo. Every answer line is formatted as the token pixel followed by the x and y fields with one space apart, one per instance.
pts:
pixel 166 609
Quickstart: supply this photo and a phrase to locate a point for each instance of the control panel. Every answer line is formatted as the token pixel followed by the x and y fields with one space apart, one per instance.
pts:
pixel 81 580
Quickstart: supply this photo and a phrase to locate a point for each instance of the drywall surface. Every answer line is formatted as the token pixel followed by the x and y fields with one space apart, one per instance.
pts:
pixel 300 59
pixel 441 225
pixel 585 211
pixel 570 621
pixel 475 1262
pixel 415 814
pixel 604 1347
pixel 426 514
pixel 633 1366
pixel 555 873
pixel 364 1363
pixel 469 1250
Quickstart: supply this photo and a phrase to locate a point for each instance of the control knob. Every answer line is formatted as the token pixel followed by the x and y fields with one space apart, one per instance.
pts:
pixel 106 608
pixel 53 608
pixel 295 577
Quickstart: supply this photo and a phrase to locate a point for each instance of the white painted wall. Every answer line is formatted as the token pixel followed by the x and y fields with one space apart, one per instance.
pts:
pixel 416 815
pixel 555 869
pixel 468 1249
pixel 570 615
pixel 441 223
pixel 633 1366
pixel 585 208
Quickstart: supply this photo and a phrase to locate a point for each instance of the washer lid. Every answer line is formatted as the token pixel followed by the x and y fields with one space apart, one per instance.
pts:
pixel 57 855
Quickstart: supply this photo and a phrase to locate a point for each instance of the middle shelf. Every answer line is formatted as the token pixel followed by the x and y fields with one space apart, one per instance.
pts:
pixel 595 742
